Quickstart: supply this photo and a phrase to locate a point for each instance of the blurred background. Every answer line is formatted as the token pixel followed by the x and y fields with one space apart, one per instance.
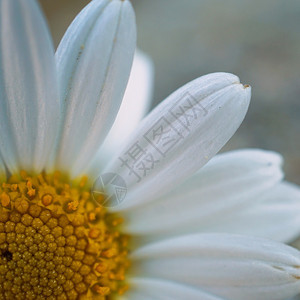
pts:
pixel 257 40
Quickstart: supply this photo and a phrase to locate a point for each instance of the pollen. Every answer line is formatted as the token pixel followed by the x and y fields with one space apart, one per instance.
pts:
pixel 56 242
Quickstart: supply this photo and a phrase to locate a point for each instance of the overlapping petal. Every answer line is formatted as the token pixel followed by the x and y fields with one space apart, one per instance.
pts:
pixel 180 136
pixel 275 216
pixel 229 266
pixel 30 110
pixel 230 182
pixel 94 60
pixel 135 104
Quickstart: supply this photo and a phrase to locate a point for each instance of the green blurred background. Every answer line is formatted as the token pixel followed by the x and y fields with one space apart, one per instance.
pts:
pixel 258 40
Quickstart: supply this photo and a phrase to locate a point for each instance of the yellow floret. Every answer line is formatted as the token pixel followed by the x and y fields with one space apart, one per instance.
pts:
pixel 57 243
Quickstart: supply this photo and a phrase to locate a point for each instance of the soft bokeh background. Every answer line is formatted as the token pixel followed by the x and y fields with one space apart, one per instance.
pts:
pixel 257 40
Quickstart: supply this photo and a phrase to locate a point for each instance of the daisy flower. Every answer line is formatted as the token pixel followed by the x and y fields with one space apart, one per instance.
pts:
pixel 152 226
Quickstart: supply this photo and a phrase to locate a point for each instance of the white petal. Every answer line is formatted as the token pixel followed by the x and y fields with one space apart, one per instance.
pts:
pixel 159 289
pixel 227 183
pixel 168 147
pixel 135 104
pixel 2 171
pixel 230 266
pixel 276 216
pixel 30 111
pixel 94 60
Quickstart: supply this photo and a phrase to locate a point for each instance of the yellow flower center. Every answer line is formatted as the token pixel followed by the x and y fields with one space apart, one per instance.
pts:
pixel 56 242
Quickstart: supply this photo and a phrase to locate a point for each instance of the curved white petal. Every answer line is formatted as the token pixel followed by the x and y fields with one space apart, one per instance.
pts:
pixel 230 266
pixel 30 110
pixel 276 216
pixel 180 136
pixel 94 60
pixel 2 171
pixel 160 289
pixel 135 104
pixel 226 184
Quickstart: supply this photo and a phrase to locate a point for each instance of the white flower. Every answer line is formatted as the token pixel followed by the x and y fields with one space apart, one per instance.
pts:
pixel 57 241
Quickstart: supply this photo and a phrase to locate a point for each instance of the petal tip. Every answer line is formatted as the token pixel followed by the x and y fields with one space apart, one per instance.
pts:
pixel 245 89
